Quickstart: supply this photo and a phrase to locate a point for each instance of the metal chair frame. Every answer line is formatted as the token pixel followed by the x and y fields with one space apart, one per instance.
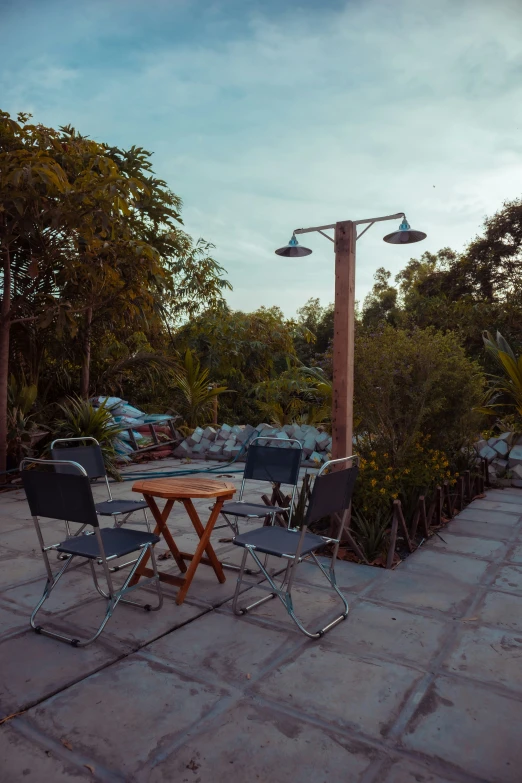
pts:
pixel 103 474
pixel 283 591
pixel 113 596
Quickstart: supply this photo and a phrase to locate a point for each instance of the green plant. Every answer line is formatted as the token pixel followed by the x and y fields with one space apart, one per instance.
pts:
pixel 504 393
pixel 23 431
pixel 193 392
pixel 80 418
pixel 371 531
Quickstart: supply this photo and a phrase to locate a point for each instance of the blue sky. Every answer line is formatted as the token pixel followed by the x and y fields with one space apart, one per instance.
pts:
pixel 269 116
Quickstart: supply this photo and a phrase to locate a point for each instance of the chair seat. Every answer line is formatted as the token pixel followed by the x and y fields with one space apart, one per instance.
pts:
pixel 279 541
pixel 254 510
pixel 109 508
pixel 116 541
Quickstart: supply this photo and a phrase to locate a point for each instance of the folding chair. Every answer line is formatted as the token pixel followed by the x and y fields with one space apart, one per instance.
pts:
pixel 331 495
pixel 68 496
pixel 265 463
pixel 90 457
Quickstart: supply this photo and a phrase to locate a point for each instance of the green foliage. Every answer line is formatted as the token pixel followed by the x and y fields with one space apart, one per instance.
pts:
pixel 296 395
pixel 412 384
pixel 381 304
pixel 316 323
pixel 504 394
pixel 194 396
pixel 78 418
pixel 371 532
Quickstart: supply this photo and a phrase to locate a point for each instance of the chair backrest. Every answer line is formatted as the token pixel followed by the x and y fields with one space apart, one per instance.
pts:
pixel 269 463
pixel 331 494
pixel 60 496
pixel 89 457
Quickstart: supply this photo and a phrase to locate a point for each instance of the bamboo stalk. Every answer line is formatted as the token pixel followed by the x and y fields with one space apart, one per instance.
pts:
pixel 393 539
pixel 402 522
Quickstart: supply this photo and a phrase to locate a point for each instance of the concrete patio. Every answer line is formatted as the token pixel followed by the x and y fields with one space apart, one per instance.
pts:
pixel 421 684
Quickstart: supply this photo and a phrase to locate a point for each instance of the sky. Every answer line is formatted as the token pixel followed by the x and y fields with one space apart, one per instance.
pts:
pixel 266 116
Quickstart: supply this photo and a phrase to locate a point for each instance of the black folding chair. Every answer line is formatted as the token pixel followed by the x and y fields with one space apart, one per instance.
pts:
pixel 68 496
pixel 265 463
pixel 90 457
pixel 331 495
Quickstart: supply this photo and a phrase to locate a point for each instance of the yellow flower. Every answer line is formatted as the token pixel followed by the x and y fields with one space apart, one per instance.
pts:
pixel 386 455
pixel 373 464
pixel 373 453
pixel 374 482
pixel 382 490
pixel 406 470
pixel 395 495
pixel 387 478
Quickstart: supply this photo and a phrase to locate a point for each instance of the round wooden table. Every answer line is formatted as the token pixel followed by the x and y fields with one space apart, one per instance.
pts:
pixel 184 490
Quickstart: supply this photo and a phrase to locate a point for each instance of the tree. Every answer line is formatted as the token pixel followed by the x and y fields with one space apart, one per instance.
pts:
pixel 381 303
pixel 316 322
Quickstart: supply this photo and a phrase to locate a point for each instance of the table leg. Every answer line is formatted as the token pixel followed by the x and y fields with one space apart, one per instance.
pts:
pixel 204 545
pixel 160 529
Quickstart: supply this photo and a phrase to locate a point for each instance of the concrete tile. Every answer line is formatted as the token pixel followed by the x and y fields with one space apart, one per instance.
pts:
pixel 17 568
pixel 467 545
pixel 130 627
pixel 342 689
pixel 446 565
pixel 509 578
pixel 510 495
pixel 488 654
pixel 25 539
pixel 12 618
pixel 511 507
pixel 350 576
pixel 313 607
pixel 34 667
pixel 490 517
pixel 470 726
pixel 406 771
pixel 502 610
pixel 423 591
pixel 126 715
pixel 21 759
pixel 515 556
pixel 483 529
pixel 74 588
pixel 9 523
pixel 222 645
pixel 287 750
pixel 393 633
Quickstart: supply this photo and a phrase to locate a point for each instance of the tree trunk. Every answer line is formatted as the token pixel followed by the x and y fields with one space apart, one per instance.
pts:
pixel 5 326
pixel 86 366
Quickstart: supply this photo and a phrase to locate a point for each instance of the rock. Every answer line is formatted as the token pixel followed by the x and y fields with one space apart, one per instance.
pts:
pixel 515 456
pixel 492 441
pixel 480 445
pixel 224 432
pixel 234 451
pixel 507 436
pixel 488 453
pixel 315 458
pixel 516 472
pixel 209 433
pixel 309 444
pixel 215 450
pixel 195 437
pixel 245 433
pixel 500 466
pixel 183 450
pixel 205 443
pixel 322 441
pixel 501 447
pixel 198 449
pixel 289 429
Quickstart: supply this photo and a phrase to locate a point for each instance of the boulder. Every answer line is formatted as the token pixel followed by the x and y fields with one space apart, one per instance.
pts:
pixel 206 443
pixel 492 441
pixel 209 433
pixel 501 447
pixel 322 441
pixel 198 450
pixel 183 450
pixel 480 445
pixel 245 433
pixel 507 436
pixel 309 444
pixel 516 472
pixel 195 437
pixel 488 453
pixel 515 456
pixel 500 466
pixel 315 458
pixel 215 450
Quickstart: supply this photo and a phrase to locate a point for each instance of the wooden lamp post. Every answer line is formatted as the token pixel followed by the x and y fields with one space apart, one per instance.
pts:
pixel 345 239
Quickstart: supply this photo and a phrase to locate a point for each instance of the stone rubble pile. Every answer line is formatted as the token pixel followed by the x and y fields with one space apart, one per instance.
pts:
pixel 504 456
pixel 224 443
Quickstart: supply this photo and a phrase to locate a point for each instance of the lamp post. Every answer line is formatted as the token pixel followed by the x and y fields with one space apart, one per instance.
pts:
pixel 344 239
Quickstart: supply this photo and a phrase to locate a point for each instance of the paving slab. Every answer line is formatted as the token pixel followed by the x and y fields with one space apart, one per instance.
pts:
pixel 24 539
pixel 509 578
pixel 287 750
pixel 23 760
pixel 446 565
pixel 342 689
pixel 421 590
pixel 490 517
pixel 485 548
pixel 471 527
pixel 125 716
pixel 223 646
pixel 382 631
pixel 16 568
pixel 74 588
pixel 34 667
pixel 406 771
pixel 515 554
pixel 512 506
pixel 510 495
pixel 488 654
pixel 130 627
pixel 350 576
pixel 12 618
pixel 500 609
pixel 470 726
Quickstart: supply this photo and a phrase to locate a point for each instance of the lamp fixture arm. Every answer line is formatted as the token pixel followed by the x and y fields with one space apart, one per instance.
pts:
pixel 369 221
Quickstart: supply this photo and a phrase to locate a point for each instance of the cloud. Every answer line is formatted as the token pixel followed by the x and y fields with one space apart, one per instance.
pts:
pixel 270 117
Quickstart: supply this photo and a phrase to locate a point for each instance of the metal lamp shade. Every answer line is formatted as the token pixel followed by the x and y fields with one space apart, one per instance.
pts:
pixel 293 249
pixel 405 235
